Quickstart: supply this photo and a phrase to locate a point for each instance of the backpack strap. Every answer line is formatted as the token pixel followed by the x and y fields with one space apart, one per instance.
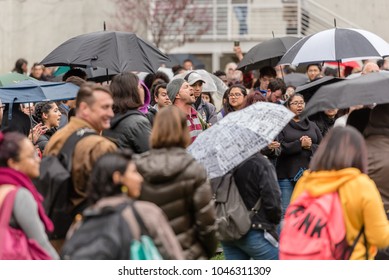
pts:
pixel 351 249
pixel 206 109
pixel 258 204
pixel 67 151
pixel 138 218
pixel 204 125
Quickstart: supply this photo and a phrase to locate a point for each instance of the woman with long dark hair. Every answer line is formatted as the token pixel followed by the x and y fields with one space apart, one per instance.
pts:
pixel 114 187
pixel 299 141
pixel 235 100
pixel 129 127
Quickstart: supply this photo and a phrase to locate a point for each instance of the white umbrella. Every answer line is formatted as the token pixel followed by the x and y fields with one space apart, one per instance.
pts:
pixel 208 85
pixel 239 135
pixel 336 44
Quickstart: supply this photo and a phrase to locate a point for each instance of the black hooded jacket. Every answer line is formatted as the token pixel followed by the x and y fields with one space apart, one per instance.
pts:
pixel 293 156
pixel 256 178
pixel 130 130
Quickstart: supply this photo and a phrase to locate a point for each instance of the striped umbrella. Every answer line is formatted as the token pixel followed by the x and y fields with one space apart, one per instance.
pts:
pixel 336 44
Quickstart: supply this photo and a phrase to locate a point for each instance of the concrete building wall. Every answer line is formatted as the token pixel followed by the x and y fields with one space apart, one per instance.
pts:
pixel 32 28
pixel 371 15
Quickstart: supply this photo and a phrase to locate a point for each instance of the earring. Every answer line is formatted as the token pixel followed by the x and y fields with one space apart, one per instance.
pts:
pixel 124 189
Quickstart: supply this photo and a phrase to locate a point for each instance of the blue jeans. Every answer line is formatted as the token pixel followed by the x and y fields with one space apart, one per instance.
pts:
pixel 251 246
pixel 286 187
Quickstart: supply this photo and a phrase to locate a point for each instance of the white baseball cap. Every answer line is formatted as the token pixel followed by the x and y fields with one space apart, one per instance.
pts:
pixel 193 77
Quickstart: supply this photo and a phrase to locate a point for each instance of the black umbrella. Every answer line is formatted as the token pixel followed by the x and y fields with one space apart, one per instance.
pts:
pixel 117 51
pixel 309 89
pixel 267 53
pixel 364 90
pixel 295 79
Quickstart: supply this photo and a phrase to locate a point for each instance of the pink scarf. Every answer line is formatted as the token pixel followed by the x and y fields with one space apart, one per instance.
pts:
pixel 12 177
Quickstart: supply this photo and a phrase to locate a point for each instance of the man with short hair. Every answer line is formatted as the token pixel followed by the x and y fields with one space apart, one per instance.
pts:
pixel 206 110
pixel 161 99
pixel 181 95
pixel 188 64
pixel 314 71
pixel 222 76
pixel 93 111
pixel 266 74
pixel 276 91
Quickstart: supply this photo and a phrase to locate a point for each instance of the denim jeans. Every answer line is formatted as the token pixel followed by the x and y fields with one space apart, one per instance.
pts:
pixel 251 246
pixel 286 187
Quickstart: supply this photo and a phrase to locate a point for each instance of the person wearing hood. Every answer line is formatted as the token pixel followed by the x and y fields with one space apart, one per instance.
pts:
pixel 178 184
pixel 130 127
pixel 340 164
pixel 299 141
pixel 146 98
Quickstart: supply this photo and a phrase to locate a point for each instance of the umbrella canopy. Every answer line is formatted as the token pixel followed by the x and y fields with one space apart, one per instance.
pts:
pixel 220 85
pixel 13 78
pixel 308 90
pixel 336 44
pixel 364 90
pixel 117 51
pixel 208 85
pixel 239 135
pixel 295 79
pixel 267 53
pixel 36 91
pixel 351 63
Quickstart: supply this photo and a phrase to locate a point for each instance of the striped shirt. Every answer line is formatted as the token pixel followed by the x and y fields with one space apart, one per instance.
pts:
pixel 194 124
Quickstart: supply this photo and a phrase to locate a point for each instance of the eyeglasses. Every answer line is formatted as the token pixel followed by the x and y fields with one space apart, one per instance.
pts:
pixel 33 156
pixel 235 95
pixel 297 103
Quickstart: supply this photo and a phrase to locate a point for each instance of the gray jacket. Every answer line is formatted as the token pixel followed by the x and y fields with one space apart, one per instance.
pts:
pixel 207 112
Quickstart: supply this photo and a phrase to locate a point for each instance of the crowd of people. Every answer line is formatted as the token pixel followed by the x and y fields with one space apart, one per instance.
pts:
pixel 137 156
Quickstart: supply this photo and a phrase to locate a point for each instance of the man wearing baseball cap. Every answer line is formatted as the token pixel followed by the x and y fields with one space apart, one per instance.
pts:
pixel 181 95
pixel 206 110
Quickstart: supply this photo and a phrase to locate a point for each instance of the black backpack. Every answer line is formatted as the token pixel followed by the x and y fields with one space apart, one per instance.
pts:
pixel 100 235
pixel 55 184
pixel 105 233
